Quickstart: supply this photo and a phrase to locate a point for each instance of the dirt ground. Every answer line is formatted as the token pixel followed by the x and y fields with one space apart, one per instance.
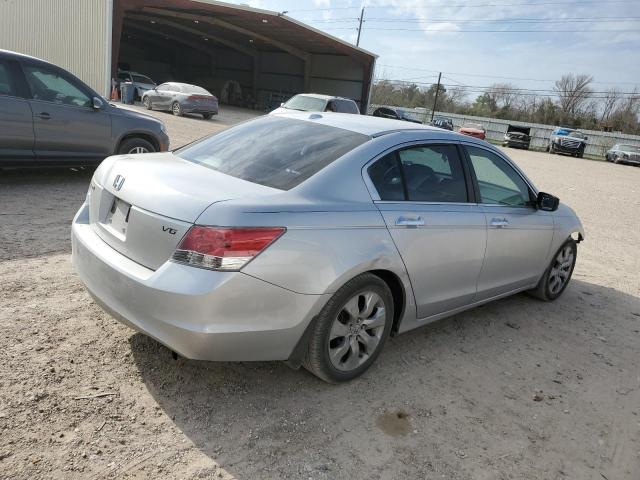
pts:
pixel 517 389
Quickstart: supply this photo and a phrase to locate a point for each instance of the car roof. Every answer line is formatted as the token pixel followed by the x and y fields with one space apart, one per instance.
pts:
pixel 322 96
pixel 363 124
pixel 17 56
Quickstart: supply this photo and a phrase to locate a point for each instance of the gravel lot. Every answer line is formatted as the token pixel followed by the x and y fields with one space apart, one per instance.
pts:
pixel 515 389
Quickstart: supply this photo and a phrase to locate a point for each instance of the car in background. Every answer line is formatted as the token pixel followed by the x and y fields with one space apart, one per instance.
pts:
pixel 50 117
pixel 141 83
pixel 517 137
pixel 473 130
pixel 623 153
pixel 314 102
pixel 181 98
pixel 442 122
pixel 567 140
pixel 394 113
pixel 311 239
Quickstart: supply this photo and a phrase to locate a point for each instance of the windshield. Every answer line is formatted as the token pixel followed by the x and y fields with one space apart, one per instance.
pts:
pixel 306 104
pixel 630 148
pixel 142 79
pixel 273 151
pixel 578 135
pixel 194 89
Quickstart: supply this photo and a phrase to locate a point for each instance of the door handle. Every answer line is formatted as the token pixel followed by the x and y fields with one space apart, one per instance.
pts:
pixel 499 222
pixel 409 221
pixel 44 115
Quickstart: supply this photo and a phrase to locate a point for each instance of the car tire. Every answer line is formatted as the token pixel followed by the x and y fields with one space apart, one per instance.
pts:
pixel 341 347
pixel 207 116
pixel 564 260
pixel 176 109
pixel 135 145
pixel 146 101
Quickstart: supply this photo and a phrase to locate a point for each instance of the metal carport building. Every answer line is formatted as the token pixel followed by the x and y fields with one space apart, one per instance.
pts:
pixel 266 54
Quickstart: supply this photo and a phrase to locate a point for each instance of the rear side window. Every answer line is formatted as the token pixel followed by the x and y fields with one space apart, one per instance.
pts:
pixel 346 106
pixel 431 173
pixel 273 151
pixel 5 81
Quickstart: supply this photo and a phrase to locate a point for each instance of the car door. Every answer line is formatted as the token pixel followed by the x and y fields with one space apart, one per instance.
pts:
pixel 65 123
pixel 16 120
pixel 518 234
pixel 424 195
pixel 164 96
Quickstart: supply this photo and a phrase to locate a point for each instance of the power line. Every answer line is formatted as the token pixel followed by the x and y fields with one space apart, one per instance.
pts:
pixel 453 30
pixel 491 76
pixel 502 20
pixel 477 5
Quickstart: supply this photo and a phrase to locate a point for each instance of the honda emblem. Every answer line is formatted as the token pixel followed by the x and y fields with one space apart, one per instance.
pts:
pixel 118 182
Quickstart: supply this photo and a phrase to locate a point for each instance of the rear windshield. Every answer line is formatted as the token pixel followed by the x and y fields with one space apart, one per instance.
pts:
pixel 194 89
pixel 306 104
pixel 273 151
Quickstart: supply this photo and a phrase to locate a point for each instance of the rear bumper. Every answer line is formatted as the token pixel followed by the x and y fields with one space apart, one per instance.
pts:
pixel 200 314
pixel 194 108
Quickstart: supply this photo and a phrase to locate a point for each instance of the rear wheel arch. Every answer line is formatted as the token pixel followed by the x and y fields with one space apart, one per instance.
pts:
pixel 399 295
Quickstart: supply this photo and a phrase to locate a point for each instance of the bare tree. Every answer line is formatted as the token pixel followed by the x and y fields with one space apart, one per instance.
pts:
pixel 573 92
pixel 503 94
pixel 611 99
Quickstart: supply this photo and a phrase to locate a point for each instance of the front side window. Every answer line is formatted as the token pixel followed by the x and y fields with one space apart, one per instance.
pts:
pixel 347 106
pixel 273 151
pixel 431 173
pixel 51 86
pixel 499 182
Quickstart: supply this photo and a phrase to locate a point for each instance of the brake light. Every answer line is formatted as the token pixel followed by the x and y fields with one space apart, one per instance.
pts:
pixel 199 97
pixel 226 249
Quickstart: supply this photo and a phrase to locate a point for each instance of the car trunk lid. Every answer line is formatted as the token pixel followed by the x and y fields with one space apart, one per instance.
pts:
pixel 142 205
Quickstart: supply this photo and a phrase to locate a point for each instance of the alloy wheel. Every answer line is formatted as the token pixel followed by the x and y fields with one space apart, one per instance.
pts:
pixel 561 269
pixel 138 150
pixel 356 331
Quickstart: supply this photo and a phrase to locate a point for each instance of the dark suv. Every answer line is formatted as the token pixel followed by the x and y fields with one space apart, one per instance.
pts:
pixel 49 117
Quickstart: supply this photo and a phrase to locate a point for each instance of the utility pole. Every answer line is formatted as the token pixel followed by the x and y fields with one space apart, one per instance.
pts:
pixel 360 27
pixel 435 100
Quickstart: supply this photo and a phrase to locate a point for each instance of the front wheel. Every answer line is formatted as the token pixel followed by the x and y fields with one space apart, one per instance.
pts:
pixel 176 108
pixel 135 145
pixel 207 116
pixel 351 330
pixel 146 101
pixel 557 276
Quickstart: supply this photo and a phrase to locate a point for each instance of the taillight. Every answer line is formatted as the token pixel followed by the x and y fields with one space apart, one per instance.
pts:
pixel 227 249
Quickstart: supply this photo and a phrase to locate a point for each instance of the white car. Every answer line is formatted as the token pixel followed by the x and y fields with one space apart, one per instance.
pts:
pixel 314 102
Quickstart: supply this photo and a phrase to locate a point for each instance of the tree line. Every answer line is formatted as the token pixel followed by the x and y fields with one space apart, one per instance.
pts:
pixel 571 102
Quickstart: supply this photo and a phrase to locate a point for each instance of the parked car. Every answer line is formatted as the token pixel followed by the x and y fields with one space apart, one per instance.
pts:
pixel 473 130
pixel 622 153
pixel 311 239
pixel 49 117
pixel 442 122
pixel 313 102
pixel 141 83
pixel 567 140
pixel 517 137
pixel 394 113
pixel 181 98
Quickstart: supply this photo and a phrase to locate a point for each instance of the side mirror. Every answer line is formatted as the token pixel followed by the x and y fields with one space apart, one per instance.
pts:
pixel 547 202
pixel 282 104
pixel 97 103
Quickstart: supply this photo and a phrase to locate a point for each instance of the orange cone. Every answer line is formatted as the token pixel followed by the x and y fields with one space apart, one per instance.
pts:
pixel 114 94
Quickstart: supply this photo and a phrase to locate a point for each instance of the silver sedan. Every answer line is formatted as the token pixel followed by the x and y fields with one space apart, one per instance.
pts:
pixel 181 98
pixel 311 238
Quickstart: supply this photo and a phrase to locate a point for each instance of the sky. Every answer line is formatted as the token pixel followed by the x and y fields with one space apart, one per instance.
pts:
pixel 415 39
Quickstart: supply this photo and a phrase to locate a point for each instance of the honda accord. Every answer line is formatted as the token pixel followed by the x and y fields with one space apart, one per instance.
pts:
pixel 311 238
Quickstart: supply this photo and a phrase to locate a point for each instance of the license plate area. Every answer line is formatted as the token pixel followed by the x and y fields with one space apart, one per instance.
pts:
pixel 117 219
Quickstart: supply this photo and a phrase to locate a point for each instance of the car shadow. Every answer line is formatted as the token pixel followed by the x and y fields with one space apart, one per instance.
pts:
pixel 264 417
